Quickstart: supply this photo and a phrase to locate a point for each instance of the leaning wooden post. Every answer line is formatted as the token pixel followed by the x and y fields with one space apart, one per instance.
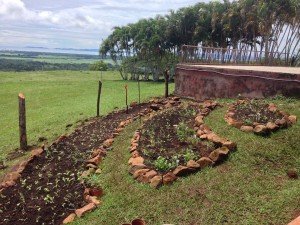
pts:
pixel 98 99
pixel 126 97
pixel 22 122
pixel 166 83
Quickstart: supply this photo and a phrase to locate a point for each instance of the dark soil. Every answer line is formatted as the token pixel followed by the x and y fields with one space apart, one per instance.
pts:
pixel 170 134
pixel 49 188
pixel 255 111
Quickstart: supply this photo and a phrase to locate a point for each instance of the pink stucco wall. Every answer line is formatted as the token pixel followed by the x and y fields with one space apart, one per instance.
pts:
pixel 204 83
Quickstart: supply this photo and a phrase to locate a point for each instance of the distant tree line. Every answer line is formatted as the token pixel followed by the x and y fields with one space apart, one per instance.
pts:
pixel 27 65
pixel 152 45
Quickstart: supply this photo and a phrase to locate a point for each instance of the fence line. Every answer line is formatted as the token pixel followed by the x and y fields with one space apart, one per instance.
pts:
pixel 211 55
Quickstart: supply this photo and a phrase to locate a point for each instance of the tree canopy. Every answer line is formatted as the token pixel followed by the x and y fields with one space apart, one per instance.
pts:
pixel 152 45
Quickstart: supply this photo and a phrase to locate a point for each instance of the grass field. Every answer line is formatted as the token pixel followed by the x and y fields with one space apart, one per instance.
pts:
pixel 251 187
pixel 58 98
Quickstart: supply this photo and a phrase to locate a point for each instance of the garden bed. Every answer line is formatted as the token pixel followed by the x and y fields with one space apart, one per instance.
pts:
pixel 258 116
pixel 49 186
pixel 176 142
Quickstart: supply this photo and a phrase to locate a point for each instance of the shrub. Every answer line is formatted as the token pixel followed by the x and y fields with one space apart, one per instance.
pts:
pixel 99 66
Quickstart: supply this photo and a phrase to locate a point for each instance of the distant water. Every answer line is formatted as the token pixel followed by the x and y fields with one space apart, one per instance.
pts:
pixel 52 50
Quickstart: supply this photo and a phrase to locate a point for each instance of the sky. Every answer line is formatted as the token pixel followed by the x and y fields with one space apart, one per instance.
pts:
pixel 72 23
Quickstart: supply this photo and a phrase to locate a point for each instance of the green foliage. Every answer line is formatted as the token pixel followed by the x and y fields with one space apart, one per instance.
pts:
pixel 245 24
pixel 184 132
pixel 162 164
pixel 189 155
pixel 99 66
pixel 26 65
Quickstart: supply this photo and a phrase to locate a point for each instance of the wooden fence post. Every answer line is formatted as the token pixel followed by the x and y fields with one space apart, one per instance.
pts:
pixel 166 83
pixel 22 122
pixel 139 89
pixel 98 99
pixel 126 97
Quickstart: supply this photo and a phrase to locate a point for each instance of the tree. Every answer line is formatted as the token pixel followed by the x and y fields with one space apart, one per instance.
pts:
pixel 99 66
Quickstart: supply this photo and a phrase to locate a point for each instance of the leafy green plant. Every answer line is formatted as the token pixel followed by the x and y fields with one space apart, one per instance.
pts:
pixel 163 164
pixel 189 155
pixel 183 132
pixel 248 122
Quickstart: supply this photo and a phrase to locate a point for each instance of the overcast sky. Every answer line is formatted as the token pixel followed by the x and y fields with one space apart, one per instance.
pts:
pixel 72 23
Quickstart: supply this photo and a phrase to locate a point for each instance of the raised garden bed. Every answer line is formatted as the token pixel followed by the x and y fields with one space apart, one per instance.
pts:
pixel 258 116
pixel 176 142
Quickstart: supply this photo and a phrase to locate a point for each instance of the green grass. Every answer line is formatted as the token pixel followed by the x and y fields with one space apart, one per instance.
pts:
pixel 55 99
pixel 251 187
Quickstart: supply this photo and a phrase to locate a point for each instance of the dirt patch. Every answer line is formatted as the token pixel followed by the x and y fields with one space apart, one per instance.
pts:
pixel 170 136
pixel 258 116
pixel 49 188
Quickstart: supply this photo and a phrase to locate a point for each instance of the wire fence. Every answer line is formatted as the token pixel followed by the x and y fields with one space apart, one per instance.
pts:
pixel 211 55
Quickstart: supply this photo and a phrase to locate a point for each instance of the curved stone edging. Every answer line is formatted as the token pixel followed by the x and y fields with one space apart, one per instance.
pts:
pixel 92 164
pixel 143 174
pixel 259 128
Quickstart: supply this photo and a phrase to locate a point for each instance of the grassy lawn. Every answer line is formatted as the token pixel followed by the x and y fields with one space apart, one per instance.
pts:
pixel 55 99
pixel 251 187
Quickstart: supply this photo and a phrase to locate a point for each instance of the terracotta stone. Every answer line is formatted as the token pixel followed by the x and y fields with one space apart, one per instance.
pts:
pixel 169 178
pixel 134 144
pixel 168 105
pixel 199 120
pixel 96 160
pixel 156 181
pixel 154 107
pixel 193 164
pixel 205 111
pixel 90 165
pixel 210 104
pixel 135 154
pixel 247 129
pixel 98 171
pixel 145 178
pixel 219 154
pixel 83 210
pixel 133 104
pixel 295 221
pixel 136 167
pixel 132 149
pixel 260 129
pixel 70 218
pixel 206 129
pixel 281 122
pixel 271 126
pixel 204 162
pixel 92 199
pixel 272 107
pixel 200 132
pixel 215 138
pixel 119 130
pixel 230 114
pixel 99 151
pixel 293 119
pixel 136 161
pixel 203 136
pixel 182 171
pixel 230 145
pixel 37 152
pixel 108 143
pixel 122 124
pixel 140 172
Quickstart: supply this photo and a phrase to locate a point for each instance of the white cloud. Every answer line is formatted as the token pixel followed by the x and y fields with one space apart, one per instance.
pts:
pixel 73 23
pixel 78 17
